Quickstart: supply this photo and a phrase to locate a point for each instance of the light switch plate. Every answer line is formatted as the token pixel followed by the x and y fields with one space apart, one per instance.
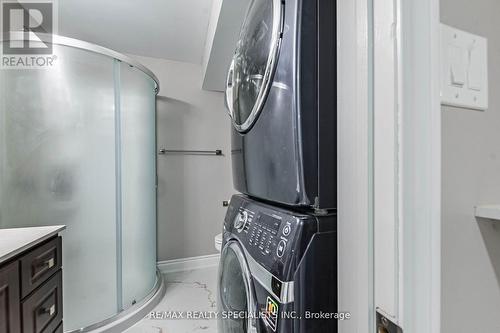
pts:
pixel 464 65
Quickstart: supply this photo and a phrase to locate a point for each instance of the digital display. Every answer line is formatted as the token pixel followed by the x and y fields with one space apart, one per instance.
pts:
pixel 270 222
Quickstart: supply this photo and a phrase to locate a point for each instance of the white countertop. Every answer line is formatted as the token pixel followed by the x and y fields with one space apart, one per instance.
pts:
pixel 488 211
pixel 17 240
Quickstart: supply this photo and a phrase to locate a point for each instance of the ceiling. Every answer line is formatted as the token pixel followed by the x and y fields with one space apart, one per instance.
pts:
pixel 168 29
pixel 221 42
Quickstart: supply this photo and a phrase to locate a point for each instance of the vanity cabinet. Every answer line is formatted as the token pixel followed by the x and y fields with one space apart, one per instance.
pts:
pixel 31 290
pixel 10 317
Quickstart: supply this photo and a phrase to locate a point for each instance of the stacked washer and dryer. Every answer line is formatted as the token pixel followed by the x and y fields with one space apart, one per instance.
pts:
pixel 278 268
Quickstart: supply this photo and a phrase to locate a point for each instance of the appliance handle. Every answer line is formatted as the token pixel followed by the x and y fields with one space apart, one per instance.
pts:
pixel 230 90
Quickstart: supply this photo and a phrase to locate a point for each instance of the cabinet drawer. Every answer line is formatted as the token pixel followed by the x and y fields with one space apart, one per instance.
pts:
pixel 42 311
pixel 10 318
pixel 39 265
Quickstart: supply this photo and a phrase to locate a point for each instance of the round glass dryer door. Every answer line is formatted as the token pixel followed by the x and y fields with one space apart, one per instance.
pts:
pixel 235 292
pixel 254 62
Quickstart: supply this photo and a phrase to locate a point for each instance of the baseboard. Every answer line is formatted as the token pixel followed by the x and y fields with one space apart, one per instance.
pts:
pixel 186 264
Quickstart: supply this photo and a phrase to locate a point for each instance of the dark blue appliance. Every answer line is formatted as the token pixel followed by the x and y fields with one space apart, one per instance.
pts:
pixel 278 270
pixel 282 98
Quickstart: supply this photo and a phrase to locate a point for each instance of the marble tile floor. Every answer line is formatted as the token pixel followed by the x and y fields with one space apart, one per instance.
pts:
pixel 188 293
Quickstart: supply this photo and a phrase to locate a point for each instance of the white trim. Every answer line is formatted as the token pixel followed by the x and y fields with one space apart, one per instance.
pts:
pixel 355 254
pixel 421 165
pixel 186 264
pixel 386 155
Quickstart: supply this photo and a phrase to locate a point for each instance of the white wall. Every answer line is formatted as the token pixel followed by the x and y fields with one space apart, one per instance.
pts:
pixel 191 188
pixel 471 176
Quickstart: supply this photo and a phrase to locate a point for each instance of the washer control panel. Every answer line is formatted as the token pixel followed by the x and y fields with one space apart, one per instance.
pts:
pixel 276 238
pixel 269 234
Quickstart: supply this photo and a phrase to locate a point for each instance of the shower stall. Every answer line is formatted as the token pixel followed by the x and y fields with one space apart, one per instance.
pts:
pixel 77 147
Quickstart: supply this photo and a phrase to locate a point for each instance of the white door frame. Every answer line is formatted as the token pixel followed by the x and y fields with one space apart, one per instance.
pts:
pixel 411 293
pixel 419 54
pixel 355 242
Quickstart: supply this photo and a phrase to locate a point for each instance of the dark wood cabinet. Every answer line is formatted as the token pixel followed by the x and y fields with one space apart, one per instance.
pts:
pixel 31 290
pixel 10 320
pixel 40 264
pixel 42 311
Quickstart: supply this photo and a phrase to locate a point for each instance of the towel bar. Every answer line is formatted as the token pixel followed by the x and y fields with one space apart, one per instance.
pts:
pixel 217 152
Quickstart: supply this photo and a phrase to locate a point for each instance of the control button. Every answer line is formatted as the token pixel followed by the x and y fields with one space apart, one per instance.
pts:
pixel 241 221
pixel 286 230
pixel 281 248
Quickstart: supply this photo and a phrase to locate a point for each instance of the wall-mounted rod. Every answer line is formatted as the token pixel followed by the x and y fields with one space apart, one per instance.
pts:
pixel 217 152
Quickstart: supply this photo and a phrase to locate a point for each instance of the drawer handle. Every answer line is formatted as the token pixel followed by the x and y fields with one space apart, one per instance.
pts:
pixel 50 310
pixel 48 263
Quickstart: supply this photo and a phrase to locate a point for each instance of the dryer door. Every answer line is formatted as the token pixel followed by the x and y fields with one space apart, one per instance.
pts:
pixel 236 299
pixel 254 62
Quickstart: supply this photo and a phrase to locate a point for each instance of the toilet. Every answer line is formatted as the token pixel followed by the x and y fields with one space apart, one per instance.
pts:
pixel 218 242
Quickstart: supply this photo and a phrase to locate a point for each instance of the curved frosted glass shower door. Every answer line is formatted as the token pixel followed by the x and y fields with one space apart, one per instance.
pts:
pixel 77 147
pixel 138 183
